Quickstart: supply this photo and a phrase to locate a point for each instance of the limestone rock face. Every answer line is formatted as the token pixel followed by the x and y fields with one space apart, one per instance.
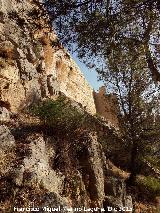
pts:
pixel 116 195
pixel 38 165
pixel 7 146
pixel 72 82
pixel 41 171
pixel 6 138
pixel 30 67
pixel 4 114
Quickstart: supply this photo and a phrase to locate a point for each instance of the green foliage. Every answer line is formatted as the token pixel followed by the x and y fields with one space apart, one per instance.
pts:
pixel 122 26
pixel 59 114
pixel 154 161
pixel 37 49
pixel 149 185
pixel 99 117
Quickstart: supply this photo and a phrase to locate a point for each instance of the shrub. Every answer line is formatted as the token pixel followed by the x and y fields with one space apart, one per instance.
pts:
pixel 59 114
pixel 149 186
pixel 154 161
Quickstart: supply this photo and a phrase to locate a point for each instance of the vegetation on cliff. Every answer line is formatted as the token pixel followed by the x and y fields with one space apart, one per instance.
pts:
pixel 59 114
pixel 58 151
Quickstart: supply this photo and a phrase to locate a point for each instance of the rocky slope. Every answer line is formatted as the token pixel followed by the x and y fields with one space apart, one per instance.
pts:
pixel 38 168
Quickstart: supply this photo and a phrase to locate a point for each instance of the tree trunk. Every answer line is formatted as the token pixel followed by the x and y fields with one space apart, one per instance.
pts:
pixel 133 164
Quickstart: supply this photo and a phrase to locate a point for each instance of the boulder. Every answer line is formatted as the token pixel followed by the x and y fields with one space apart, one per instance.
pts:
pixel 4 114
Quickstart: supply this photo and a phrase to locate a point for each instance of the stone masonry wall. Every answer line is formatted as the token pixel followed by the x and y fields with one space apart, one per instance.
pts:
pixel 107 107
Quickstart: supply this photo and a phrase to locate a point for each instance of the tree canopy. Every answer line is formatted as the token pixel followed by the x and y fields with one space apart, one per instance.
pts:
pixel 101 28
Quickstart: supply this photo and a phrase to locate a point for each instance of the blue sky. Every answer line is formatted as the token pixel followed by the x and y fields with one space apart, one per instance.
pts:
pixel 90 74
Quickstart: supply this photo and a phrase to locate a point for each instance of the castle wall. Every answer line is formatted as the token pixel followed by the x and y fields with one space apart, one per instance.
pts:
pixel 107 106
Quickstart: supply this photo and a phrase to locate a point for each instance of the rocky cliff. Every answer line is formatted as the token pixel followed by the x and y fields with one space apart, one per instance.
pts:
pixel 40 169
pixel 33 64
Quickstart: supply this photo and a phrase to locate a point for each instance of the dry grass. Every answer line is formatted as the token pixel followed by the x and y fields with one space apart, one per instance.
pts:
pixel 28 119
pixel 146 208
pixel 5 160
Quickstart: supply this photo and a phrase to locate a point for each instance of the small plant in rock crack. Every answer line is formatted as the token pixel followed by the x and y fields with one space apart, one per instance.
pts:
pixel 2 63
pixel 37 49
pixel 74 183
